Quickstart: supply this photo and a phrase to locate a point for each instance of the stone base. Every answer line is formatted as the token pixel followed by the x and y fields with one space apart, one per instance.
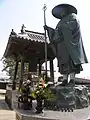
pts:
pixel 68 98
pixel 80 114
pixel 10 98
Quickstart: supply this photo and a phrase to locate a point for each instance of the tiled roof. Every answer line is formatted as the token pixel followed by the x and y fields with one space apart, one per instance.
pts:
pixel 81 80
pixel 30 35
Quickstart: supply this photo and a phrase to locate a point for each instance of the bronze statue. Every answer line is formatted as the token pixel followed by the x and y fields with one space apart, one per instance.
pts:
pixel 67 41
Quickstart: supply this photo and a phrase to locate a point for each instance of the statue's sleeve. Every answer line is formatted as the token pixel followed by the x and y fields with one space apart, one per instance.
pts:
pixel 71 32
pixel 55 35
pixel 51 33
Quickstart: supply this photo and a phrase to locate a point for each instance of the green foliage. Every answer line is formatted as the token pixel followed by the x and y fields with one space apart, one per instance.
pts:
pixel 42 91
pixel 9 66
pixel 43 75
pixel 89 96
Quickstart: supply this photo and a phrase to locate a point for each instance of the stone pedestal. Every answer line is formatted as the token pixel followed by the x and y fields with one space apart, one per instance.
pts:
pixel 68 98
pixel 10 98
pixel 65 98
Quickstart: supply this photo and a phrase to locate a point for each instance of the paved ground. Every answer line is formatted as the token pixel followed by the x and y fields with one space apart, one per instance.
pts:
pixel 82 114
pixel 5 113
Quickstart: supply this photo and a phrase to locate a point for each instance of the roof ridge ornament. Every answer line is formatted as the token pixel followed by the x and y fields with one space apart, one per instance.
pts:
pixel 23 29
pixel 12 32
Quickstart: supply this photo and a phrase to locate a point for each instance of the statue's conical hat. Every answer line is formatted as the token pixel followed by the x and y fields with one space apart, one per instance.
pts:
pixel 57 10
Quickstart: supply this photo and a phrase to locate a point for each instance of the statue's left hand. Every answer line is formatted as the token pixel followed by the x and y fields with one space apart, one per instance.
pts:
pixel 45 27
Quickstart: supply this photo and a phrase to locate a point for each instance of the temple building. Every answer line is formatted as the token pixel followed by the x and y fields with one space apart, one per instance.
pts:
pixel 29 47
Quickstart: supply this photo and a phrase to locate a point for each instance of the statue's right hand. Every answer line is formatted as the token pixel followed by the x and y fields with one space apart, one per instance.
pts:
pixel 45 27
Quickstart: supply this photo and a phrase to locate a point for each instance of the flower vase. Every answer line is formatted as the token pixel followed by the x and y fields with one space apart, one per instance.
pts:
pixel 39 107
pixel 25 105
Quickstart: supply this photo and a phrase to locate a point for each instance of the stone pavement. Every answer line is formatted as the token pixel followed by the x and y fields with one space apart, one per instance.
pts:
pixel 80 114
pixel 5 112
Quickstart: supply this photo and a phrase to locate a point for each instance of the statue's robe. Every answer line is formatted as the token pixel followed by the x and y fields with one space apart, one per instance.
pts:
pixel 67 40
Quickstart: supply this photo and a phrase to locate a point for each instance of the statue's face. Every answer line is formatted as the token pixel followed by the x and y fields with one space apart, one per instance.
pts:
pixel 63 13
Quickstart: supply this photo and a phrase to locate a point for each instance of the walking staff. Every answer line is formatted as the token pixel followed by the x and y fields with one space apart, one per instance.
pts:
pixel 44 8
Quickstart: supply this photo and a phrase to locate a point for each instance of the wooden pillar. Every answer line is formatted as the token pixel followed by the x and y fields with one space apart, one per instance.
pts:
pixel 22 72
pixel 15 74
pixel 39 71
pixel 51 70
pixel 33 65
pixel 29 67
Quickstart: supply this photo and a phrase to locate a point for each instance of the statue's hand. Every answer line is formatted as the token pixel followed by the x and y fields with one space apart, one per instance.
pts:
pixel 45 27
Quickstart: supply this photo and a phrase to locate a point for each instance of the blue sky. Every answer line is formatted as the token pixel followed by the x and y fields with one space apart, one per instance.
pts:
pixel 14 13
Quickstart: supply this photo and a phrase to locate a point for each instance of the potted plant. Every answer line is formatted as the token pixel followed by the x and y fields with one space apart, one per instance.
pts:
pixel 40 93
pixel 25 96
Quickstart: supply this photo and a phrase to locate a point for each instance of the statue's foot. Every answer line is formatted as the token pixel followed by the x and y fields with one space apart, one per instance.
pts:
pixel 64 83
pixel 72 82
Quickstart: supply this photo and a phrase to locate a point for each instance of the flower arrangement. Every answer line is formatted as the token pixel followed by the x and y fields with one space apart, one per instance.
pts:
pixel 25 95
pixel 25 90
pixel 42 91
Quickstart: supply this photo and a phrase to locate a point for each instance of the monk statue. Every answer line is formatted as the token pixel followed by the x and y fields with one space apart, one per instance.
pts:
pixel 67 42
